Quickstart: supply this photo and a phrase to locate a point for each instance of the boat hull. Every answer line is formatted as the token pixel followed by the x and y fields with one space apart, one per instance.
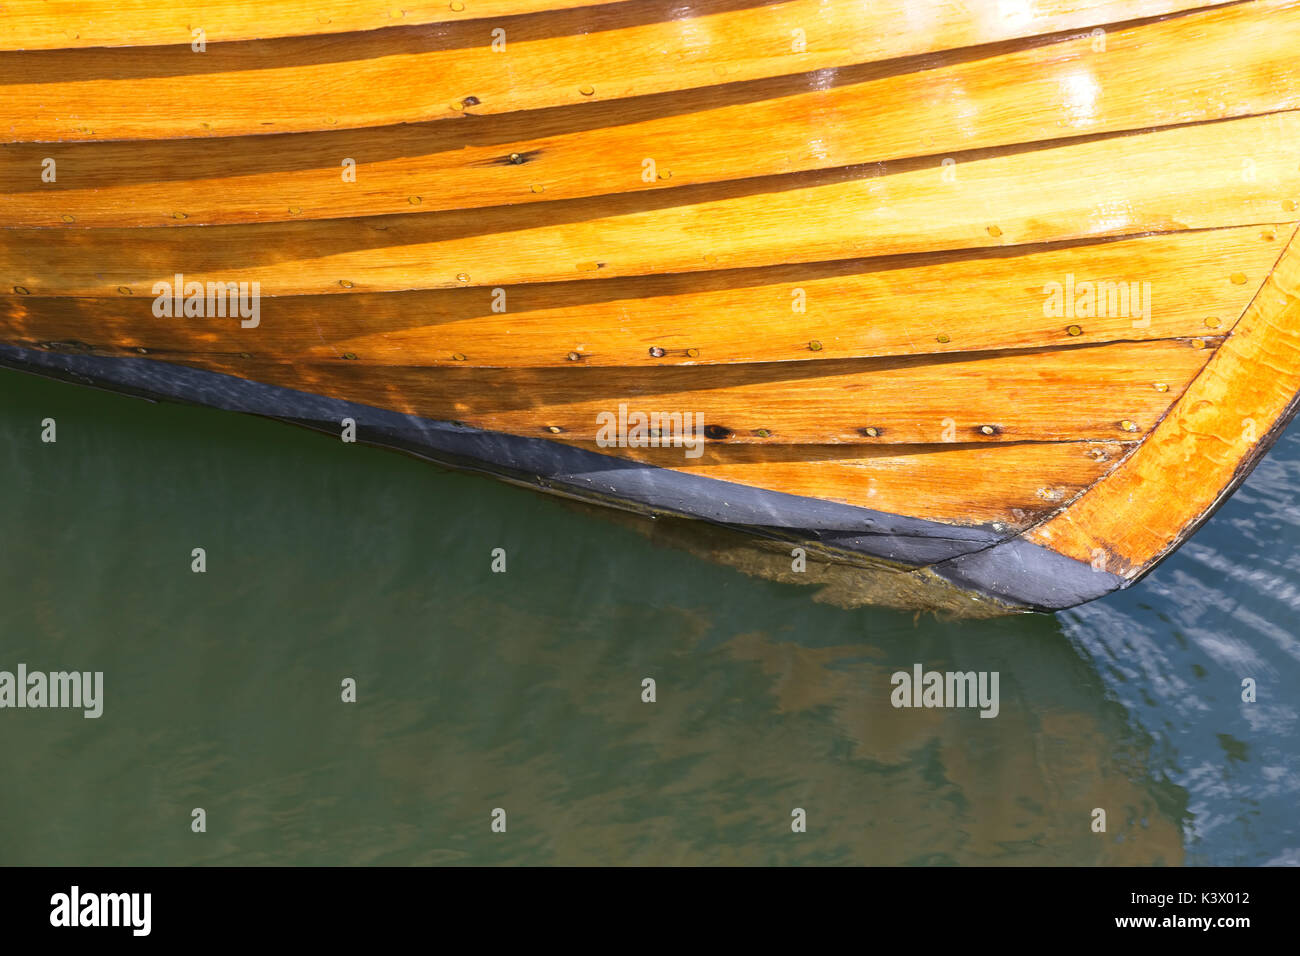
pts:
pixel 1002 305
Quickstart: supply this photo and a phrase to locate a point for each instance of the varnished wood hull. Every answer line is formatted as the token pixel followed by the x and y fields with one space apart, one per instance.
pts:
pixel 1000 298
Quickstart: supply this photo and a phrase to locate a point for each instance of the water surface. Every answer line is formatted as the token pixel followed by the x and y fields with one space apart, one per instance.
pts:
pixel 522 690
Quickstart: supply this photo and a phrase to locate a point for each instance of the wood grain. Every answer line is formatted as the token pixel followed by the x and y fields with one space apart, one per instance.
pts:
pixel 1229 61
pixel 1007 485
pixel 1204 446
pixel 910 305
pixel 413 74
pixel 854 319
pixel 1106 392
pixel 1165 181
pixel 78 24
pixel 68 24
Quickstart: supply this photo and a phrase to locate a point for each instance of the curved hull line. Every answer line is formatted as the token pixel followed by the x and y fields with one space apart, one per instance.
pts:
pixel 900 540
pixel 999 298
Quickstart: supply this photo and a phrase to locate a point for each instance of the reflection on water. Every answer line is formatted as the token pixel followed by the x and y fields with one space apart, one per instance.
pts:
pixel 523 690
pixel 1174 653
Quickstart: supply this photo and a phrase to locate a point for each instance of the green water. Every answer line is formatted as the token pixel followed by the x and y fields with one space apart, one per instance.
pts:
pixel 523 690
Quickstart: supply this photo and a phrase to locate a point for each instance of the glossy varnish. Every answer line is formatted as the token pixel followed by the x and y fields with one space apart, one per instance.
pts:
pixel 831 229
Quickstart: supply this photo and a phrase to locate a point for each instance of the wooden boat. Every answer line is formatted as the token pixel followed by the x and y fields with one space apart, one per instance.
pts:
pixel 998 295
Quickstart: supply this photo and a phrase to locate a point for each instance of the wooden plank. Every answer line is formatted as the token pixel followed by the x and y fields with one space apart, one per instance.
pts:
pixel 413 74
pixel 78 24
pixel 1007 485
pixel 1204 447
pixel 995 299
pixel 747 130
pixel 1105 393
pixel 68 24
pixel 1166 181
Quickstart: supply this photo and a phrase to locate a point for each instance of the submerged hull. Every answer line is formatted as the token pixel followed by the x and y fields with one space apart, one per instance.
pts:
pixel 1003 301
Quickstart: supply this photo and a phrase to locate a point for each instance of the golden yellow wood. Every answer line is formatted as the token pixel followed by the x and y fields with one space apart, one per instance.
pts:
pixel 1177 285
pixel 1208 440
pixel 1106 392
pixel 834 231
pixel 1166 181
pixel 867 114
pixel 1009 485
pixel 66 24
pixel 569 56
pixel 76 24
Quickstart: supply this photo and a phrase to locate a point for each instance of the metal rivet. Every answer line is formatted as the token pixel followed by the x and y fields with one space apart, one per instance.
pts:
pixel 462 277
pixel 554 429
pixel 987 429
pixel 21 290
pixel 1128 426
pixel 245 355
pixel 1074 330
pixel 537 187
pixel 179 215
pixel 1239 278
pixel 457 5
pixel 574 357
pixel 1212 323
pixel 762 433
pixel 1268 235
pixel 942 339
pixel 346 283
pixel 457 356
pixel 656 352
pixel 350 355
pixel 458 106
pixel 815 346
pixel 994 231
pixel 66 218
pixel 294 210
pixel 125 290
pixel 586 90
pixel 665 174
pixel 1198 343
pixel 516 159
pixel 871 432
pixel 142 350
pixel 1288 205
pixel 693 353
pixel 1161 387
pixel 414 200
